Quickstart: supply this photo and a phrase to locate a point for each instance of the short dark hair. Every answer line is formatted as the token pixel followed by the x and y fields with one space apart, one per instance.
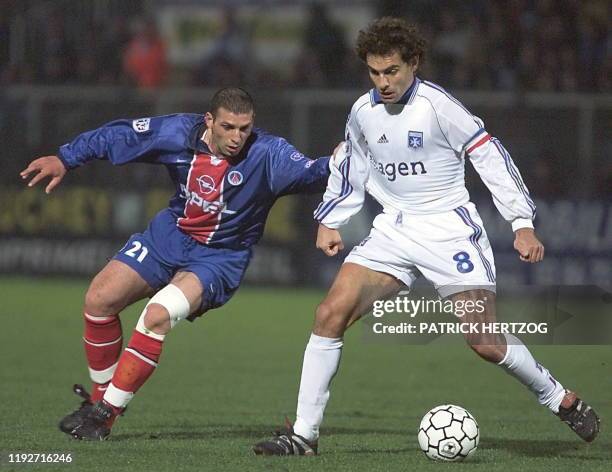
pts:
pixel 386 35
pixel 233 99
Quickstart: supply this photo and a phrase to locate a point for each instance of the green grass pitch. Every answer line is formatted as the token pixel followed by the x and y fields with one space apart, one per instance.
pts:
pixel 227 380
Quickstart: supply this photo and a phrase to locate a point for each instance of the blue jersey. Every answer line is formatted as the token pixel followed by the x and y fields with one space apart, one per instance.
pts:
pixel 222 203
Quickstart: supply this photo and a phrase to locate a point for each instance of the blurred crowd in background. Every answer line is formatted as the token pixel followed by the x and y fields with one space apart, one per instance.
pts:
pixel 480 45
pixel 108 59
pixel 539 45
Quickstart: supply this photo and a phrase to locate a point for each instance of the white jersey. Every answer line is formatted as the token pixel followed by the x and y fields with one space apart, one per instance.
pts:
pixel 410 157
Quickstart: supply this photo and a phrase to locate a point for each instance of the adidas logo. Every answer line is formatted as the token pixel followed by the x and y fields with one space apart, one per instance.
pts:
pixel 383 140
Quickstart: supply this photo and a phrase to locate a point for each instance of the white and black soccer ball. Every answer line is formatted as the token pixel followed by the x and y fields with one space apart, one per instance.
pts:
pixel 448 433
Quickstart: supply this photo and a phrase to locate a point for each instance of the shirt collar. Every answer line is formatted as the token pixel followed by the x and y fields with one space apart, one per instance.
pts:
pixel 405 99
pixel 195 138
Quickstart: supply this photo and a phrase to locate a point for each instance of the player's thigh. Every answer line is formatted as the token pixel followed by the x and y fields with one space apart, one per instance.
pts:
pixel 352 294
pixel 211 277
pixel 115 287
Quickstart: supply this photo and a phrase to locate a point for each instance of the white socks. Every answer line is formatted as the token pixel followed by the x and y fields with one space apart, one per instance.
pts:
pixel 520 363
pixel 321 360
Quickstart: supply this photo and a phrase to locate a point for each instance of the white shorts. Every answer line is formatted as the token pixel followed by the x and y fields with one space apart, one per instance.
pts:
pixel 449 249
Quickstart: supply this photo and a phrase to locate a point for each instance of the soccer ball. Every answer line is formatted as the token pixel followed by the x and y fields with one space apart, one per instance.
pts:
pixel 448 433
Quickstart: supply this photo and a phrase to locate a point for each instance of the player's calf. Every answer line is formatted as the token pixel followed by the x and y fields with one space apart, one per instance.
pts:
pixel 478 309
pixel 490 350
pixel 103 341
pixel 111 290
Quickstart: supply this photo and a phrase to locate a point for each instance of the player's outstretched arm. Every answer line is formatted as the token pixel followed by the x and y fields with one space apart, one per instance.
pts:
pixel 528 245
pixel 329 240
pixel 43 167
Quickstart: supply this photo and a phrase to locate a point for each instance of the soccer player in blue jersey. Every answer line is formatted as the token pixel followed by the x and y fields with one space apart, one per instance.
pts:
pixel 194 253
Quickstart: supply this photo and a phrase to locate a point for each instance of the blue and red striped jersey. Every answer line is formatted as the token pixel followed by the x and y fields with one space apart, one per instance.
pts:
pixel 218 202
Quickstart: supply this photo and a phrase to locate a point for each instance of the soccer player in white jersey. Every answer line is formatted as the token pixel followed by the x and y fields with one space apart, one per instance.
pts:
pixel 407 141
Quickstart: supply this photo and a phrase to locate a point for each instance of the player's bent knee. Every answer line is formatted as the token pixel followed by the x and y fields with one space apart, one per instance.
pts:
pixel 329 321
pixel 157 319
pixel 100 303
pixel 165 309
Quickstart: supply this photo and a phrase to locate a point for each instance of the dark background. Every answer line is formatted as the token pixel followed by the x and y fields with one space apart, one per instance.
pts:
pixel 537 72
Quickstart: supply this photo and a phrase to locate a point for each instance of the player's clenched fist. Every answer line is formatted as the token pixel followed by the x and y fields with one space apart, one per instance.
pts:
pixel 47 166
pixel 329 240
pixel 529 247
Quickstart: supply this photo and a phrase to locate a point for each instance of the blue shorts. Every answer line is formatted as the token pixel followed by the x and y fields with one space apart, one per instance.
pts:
pixel 163 250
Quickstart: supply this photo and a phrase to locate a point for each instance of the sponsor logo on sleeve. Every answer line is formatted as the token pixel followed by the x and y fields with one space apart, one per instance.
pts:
pixel 141 125
pixel 296 156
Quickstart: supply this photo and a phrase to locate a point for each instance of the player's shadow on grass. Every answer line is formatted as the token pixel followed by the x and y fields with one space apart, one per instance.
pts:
pixel 208 431
pixel 546 448
pixel 220 431
pixel 570 449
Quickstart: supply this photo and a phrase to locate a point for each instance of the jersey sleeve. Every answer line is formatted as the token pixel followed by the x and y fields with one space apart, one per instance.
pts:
pixel 345 191
pixel 467 136
pixel 122 141
pixel 292 172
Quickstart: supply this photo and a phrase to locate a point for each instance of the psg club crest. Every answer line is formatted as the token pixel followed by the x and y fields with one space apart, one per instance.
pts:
pixel 415 139
pixel 235 178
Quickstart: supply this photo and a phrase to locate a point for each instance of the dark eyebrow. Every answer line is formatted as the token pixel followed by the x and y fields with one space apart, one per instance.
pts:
pixel 386 71
pixel 231 125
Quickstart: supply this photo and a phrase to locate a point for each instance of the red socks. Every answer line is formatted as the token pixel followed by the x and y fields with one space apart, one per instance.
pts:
pixel 128 370
pixel 136 365
pixel 137 362
pixel 103 342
